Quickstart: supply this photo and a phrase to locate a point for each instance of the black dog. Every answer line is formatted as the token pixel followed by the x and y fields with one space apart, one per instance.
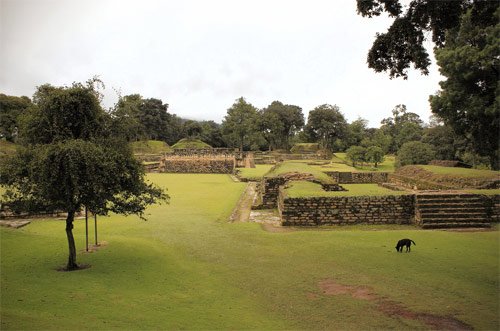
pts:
pixel 404 242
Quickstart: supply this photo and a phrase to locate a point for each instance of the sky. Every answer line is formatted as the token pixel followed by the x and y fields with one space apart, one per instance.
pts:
pixel 200 56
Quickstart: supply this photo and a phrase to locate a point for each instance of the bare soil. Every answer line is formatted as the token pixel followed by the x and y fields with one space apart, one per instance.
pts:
pixel 390 308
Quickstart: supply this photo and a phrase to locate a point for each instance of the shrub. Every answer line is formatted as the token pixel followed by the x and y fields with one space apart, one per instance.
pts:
pixel 414 152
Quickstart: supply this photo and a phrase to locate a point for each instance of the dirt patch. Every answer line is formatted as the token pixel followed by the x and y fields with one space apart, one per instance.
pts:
pixel 390 308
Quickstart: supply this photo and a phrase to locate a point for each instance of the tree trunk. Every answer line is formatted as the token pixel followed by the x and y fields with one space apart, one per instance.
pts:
pixel 71 242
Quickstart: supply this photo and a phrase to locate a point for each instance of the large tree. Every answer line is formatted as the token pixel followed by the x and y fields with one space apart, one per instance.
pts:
pixel 239 126
pixel 469 100
pixel 70 160
pixel 327 125
pixel 466 38
pixel 280 123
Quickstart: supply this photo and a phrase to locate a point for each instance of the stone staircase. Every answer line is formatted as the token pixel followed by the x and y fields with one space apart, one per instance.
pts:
pixel 451 210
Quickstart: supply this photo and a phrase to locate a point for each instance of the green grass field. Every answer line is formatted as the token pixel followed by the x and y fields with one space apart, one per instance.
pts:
pixel 188 268
pixel 308 189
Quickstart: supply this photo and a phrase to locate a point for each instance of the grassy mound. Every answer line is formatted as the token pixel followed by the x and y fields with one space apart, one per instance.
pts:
pixel 302 148
pixel 191 144
pixel 450 177
pixel 303 189
pixel 150 147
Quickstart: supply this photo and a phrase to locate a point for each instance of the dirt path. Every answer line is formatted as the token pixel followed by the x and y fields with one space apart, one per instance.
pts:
pixel 241 212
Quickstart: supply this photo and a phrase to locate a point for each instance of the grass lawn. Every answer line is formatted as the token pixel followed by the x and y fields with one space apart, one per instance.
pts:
pixel 255 173
pixel 307 189
pixel 188 268
pixel 191 143
pixel 461 171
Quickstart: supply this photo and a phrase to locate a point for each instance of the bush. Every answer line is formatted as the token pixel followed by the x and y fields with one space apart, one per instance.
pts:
pixel 414 152
pixel 356 154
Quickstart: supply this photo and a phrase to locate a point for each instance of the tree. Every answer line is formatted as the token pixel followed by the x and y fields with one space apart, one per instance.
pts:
pixel 280 123
pixel 403 43
pixel 415 152
pixel 356 132
pixel 445 142
pixel 327 125
pixel 74 161
pixel 466 38
pixel 469 98
pixel 375 155
pixel 356 154
pixel 402 127
pixel 11 108
pixel 211 133
pixel 239 125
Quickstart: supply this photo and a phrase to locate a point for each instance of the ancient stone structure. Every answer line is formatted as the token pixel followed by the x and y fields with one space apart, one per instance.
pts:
pixel 204 164
pixel 389 209
pixel 448 210
pixel 270 186
pixel 344 177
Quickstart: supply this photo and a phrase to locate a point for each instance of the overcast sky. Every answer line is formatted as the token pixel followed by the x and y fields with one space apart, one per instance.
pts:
pixel 199 56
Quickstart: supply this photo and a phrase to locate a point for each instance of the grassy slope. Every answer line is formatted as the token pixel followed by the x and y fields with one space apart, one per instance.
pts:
pixel 308 189
pixel 255 173
pixel 451 171
pixel 150 147
pixel 187 268
pixel 190 143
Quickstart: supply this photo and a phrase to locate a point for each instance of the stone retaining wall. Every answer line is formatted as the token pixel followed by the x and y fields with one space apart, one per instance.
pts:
pixel 393 209
pixel 343 177
pixel 198 165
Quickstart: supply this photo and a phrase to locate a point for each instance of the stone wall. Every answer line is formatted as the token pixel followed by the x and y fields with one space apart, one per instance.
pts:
pixel 201 165
pixel 270 186
pixel 343 177
pixel 390 209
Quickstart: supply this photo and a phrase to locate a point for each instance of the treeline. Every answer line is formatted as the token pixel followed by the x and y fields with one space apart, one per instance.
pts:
pixel 276 127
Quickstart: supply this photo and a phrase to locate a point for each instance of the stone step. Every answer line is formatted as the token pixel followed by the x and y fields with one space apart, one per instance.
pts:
pixel 441 205
pixel 457 209
pixel 448 196
pixel 456 220
pixel 448 200
pixel 455 225
pixel 452 215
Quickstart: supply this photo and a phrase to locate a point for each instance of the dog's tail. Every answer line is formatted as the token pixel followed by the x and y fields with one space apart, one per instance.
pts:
pixel 413 242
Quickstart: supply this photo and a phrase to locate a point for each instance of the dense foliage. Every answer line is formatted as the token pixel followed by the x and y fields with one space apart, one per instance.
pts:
pixel 415 152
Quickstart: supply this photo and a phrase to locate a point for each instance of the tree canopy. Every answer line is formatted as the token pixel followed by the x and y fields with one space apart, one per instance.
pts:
pixel 240 124
pixel 12 108
pixel 327 125
pixel 279 123
pixel 70 160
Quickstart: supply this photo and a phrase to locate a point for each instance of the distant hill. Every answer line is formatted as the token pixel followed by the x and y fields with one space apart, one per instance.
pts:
pixel 150 147
pixel 191 143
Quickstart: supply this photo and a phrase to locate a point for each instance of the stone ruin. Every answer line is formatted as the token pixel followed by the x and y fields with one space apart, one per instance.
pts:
pixel 205 161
